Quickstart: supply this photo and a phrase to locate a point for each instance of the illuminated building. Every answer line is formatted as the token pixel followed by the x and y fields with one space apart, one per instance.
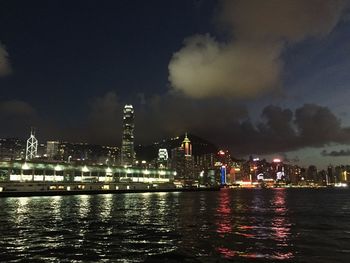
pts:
pixel 28 171
pixel 187 146
pixel 127 149
pixel 182 161
pixel 162 160
pixel 32 146
pixel 52 148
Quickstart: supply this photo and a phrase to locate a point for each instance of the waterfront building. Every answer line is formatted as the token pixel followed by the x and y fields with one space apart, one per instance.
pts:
pixel 127 149
pixel 58 171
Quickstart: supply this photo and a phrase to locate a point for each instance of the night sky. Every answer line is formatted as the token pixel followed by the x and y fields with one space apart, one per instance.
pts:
pixel 267 78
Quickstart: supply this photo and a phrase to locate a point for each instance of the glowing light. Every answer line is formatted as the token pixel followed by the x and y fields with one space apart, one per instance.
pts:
pixel 341 185
pixel 146 172
pixel 58 168
pixel 276 160
pixel 15 177
pixel 38 177
pixel 85 169
pixel 25 166
pixel 221 152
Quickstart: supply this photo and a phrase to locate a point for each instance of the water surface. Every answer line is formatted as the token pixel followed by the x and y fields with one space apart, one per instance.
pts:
pixel 249 225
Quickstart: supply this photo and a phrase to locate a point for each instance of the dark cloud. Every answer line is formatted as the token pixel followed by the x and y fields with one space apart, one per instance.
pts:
pixel 17 116
pixel 249 62
pixel 336 153
pixel 318 125
pixel 225 124
pixel 16 108
pixel 172 114
pixel 104 120
pixel 281 131
pixel 5 67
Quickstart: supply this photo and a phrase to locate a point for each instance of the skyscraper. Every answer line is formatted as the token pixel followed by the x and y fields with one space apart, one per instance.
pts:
pixel 52 148
pixel 32 146
pixel 186 144
pixel 127 151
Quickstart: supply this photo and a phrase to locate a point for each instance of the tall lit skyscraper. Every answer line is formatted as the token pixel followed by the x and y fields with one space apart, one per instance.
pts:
pixel 32 146
pixel 127 151
pixel 186 144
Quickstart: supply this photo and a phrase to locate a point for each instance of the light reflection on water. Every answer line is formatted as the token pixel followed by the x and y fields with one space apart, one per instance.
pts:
pixel 265 224
pixel 265 227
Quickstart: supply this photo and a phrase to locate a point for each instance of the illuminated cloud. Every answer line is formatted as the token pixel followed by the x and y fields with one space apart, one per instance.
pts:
pixel 249 63
pixel 4 63
pixel 290 20
pixel 205 67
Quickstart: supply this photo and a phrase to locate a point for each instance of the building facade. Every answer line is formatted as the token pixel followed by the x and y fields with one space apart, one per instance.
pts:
pixel 127 149
pixel 52 149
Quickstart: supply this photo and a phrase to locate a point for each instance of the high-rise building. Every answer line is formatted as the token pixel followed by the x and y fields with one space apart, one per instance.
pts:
pixel 52 148
pixel 186 144
pixel 162 160
pixel 32 146
pixel 183 161
pixel 127 150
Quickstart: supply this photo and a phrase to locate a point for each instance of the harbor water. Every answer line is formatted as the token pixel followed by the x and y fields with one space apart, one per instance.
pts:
pixel 240 225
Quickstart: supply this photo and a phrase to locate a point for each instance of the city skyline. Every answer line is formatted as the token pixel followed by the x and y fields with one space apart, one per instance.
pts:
pixel 68 69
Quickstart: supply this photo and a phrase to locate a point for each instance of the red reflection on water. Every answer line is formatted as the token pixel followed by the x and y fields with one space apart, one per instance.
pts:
pixel 244 229
pixel 280 225
pixel 229 253
pixel 280 201
pixel 276 229
pixel 224 211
